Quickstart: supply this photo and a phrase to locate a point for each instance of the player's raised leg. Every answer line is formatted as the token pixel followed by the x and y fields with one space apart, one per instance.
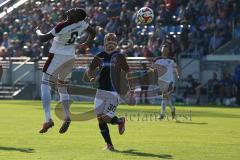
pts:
pixel 169 99
pixel 111 103
pixel 173 109
pixel 105 105
pixel 120 122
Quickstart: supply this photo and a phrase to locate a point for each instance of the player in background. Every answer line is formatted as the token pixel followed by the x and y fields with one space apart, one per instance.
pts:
pixel 61 61
pixel 166 67
pixel 111 64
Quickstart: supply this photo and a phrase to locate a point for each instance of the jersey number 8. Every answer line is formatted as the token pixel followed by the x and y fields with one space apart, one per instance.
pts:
pixel 74 36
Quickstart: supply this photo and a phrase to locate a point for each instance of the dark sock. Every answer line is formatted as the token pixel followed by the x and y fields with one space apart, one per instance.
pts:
pixel 115 120
pixel 105 132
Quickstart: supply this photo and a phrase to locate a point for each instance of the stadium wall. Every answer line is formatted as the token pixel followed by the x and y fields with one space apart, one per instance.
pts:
pixel 29 73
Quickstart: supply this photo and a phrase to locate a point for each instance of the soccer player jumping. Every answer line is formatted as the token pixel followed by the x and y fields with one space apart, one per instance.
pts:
pixel 61 61
pixel 111 64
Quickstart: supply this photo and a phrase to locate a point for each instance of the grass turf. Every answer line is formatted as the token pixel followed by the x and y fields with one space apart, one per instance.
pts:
pixel 205 133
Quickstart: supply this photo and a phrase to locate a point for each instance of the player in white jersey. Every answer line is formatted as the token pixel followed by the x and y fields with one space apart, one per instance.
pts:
pixel 166 67
pixel 61 61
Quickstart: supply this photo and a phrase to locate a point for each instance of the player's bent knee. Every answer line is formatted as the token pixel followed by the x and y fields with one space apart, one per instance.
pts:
pixel 104 118
pixel 99 118
pixel 107 119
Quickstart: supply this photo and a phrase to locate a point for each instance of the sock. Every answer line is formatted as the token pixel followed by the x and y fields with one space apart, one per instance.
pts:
pixel 170 104
pixel 163 107
pixel 46 100
pixel 116 120
pixel 105 132
pixel 64 98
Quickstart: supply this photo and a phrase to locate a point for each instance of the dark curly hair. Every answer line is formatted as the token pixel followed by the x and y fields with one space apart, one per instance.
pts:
pixel 76 14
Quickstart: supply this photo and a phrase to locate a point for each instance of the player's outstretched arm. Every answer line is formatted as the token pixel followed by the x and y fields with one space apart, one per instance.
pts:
pixel 177 70
pixel 91 36
pixel 92 67
pixel 44 37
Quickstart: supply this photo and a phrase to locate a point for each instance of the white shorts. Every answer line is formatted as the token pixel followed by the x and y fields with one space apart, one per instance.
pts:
pixel 105 102
pixel 59 66
pixel 165 87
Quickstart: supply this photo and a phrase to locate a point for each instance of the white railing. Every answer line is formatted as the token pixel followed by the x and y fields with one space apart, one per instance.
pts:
pixel 14 6
pixel 4 2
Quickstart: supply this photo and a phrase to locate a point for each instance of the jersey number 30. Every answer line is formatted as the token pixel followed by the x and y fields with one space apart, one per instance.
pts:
pixel 74 36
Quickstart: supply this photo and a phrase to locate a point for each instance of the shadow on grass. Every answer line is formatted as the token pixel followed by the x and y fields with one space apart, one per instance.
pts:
pixel 134 152
pixel 200 123
pixel 25 150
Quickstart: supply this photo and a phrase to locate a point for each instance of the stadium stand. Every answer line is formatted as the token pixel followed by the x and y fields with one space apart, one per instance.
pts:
pixel 204 24
pixel 199 31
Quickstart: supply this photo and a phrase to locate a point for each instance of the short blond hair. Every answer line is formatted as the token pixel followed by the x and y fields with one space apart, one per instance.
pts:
pixel 110 37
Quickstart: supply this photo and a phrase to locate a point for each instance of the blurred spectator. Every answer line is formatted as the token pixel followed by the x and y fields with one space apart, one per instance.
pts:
pixel 165 16
pixel 5 40
pixel 193 87
pixel 125 15
pixel 170 5
pixel 152 44
pixel 100 18
pixel 184 41
pixel 146 52
pixel 113 25
pixel 136 51
pixel 237 30
pixel 173 46
pixel 3 51
pixel 215 41
pixel 144 82
pixel 100 36
pixel 203 25
pixel 204 17
pixel 226 87
pixel 114 8
pixel 213 86
pixel 1 73
pixel 237 83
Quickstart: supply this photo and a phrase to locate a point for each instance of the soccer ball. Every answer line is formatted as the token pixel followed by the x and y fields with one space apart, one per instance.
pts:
pixel 145 15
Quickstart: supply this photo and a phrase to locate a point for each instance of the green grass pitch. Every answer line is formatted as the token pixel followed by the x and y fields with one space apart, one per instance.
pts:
pixel 201 133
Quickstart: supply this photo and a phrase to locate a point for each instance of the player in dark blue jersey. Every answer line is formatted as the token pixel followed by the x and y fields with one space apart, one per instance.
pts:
pixel 113 66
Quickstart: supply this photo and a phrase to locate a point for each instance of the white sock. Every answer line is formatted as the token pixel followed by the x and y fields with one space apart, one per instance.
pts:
pixel 65 99
pixel 163 107
pixel 46 100
pixel 170 104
